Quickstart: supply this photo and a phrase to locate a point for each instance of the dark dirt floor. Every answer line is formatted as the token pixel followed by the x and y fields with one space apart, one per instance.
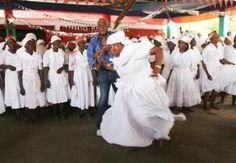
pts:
pixel 206 137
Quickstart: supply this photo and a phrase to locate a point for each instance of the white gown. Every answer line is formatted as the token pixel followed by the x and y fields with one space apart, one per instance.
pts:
pixel 230 55
pixel 59 90
pixel 140 112
pixel 223 75
pixel 30 65
pixel 167 59
pixel 83 96
pixel 13 97
pixel 181 88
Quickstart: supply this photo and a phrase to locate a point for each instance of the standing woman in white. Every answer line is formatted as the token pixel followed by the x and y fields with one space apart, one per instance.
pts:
pixel 181 89
pixel 230 55
pixel 30 74
pixel 140 112
pixel 12 88
pixel 54 76
pixel 80 77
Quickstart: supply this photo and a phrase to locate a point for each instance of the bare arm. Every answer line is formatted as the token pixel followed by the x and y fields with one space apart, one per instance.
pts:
pixel 45 77
pixel 22 90
pixel 158 62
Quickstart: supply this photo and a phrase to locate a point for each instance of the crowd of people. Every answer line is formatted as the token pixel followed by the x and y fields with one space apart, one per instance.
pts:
pixel 148 75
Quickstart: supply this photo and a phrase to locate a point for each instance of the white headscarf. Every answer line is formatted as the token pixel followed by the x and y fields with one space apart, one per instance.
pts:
pixel 24 41
pixel 55 38
pixel 118 37
pixel 31 36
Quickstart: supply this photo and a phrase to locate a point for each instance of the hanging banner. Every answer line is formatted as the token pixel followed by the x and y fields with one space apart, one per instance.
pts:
pixel 214 2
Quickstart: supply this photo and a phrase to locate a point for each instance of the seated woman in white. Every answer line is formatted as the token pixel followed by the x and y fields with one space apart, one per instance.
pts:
pixel 140 112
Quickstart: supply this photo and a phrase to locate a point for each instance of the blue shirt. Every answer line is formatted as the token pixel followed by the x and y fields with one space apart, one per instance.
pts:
pixel 94 46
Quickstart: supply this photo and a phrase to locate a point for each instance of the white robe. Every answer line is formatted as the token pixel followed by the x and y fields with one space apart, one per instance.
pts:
pixel 230 55
pixel 181 88
pixel 140 112
pixel 13 98
pixel 83 95
pixel 223 75
pixel 30 65
pixel 58 91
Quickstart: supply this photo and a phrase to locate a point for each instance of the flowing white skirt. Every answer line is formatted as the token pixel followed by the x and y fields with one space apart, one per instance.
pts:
pixel 13 98
pixel 59 90
pixel 2 106
pixel 182 90
pixel 138 115
pixel 83 95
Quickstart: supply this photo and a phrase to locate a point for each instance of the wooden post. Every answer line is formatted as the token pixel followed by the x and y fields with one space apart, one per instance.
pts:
pixel 9 19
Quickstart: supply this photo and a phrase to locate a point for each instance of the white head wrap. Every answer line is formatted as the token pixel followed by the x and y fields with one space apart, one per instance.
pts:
pixel 143 38
pixel 134 40
pixel 173 41
pixel 31 36
pixel 185 38
pixel 230 38
pixel 40 41
pixel 55 38
pixel 117 37
pixel 160 39
pixel 24 41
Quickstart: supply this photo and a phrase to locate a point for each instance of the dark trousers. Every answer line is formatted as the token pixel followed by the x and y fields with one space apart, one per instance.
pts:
pixel 106 79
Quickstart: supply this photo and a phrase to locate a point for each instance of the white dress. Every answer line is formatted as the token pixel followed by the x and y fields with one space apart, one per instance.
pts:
pixel 2 106
pixel 223 75
pixel 58 91
pixel 30 65
pixel 140 112
pixel 13 97
pixel 230 55
pixel 167 60
pixel 197 58
pixel 181 88
pixel 84 96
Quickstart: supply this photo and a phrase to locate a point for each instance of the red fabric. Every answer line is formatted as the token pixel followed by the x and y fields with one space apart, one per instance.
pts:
pixel 66 1
pixel 112 1
pixel 104 1
pixel 193 3
pixel 76 2
pixel 9 37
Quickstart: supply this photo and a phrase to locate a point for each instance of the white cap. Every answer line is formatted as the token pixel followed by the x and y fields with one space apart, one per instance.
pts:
pixel 160 39
pixel 134 40
pixel 143 38
pixel 24 41
pixel 117 37
pixel 174 41
pixel 186 38
pixel 55 38
pixel 40 41
pixel 31 36
pixel 231 39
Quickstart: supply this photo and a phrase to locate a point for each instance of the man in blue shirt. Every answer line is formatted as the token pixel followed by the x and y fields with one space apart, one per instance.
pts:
pixel 99 60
